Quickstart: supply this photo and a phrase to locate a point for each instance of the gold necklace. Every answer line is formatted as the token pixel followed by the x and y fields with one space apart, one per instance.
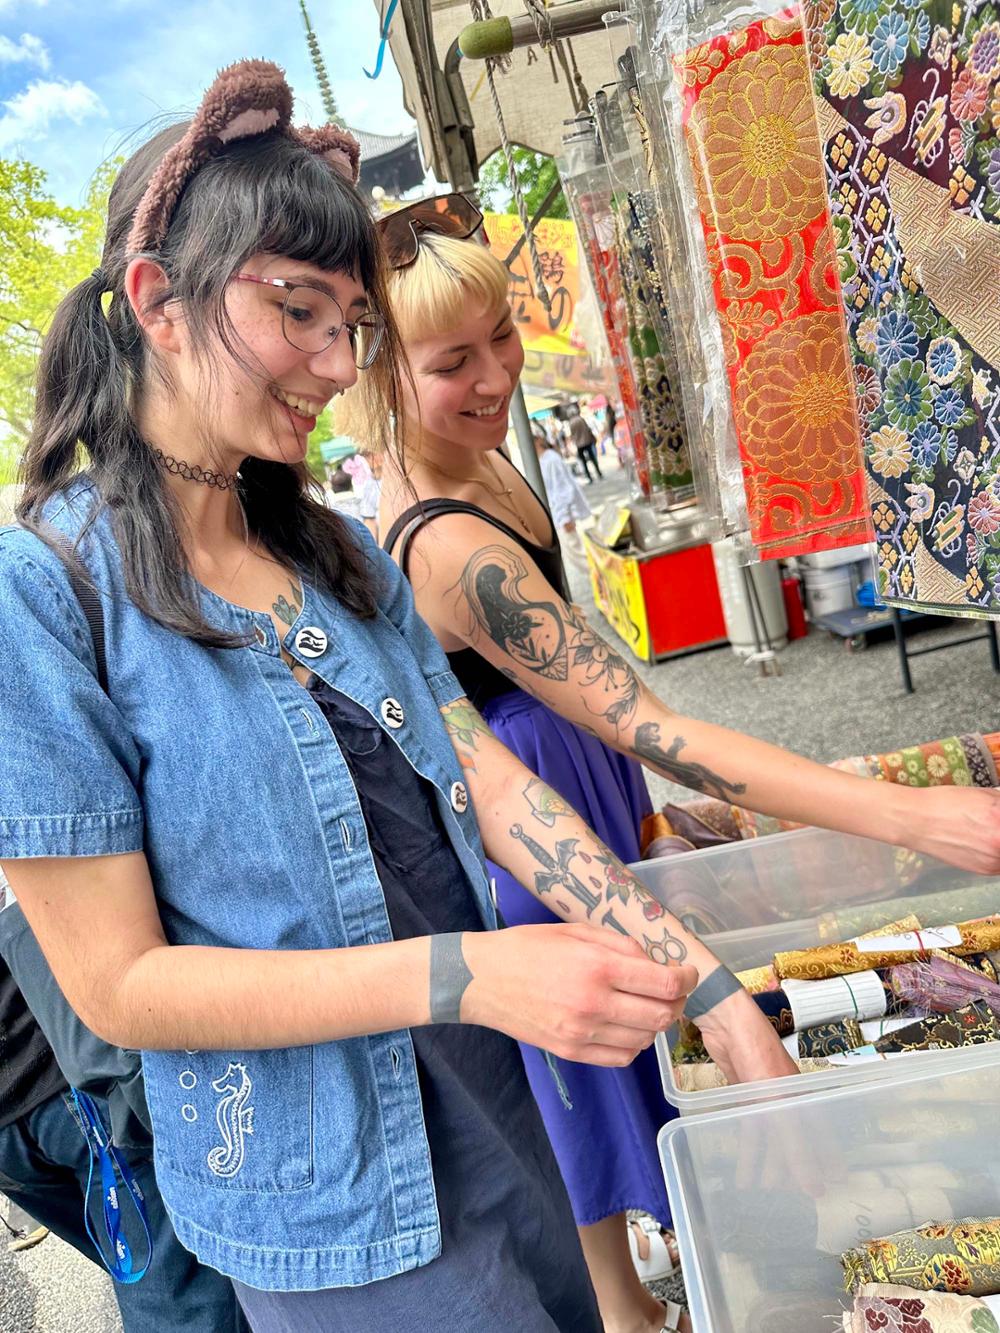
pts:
pixel 497 495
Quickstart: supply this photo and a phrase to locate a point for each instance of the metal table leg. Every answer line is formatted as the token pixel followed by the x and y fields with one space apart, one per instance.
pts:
pixel 904 663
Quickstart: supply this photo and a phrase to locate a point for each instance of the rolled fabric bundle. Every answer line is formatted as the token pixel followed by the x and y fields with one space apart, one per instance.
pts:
pixel 961 1257
pixel 888 1306
pixel 757 979
pixel 865 953
pixel 942 984
pixel 973 1025
pixel 860 995
pixel 777 1009
pixel 824 1039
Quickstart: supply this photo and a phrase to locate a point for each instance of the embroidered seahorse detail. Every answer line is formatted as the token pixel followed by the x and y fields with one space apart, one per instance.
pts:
pixel 235 1120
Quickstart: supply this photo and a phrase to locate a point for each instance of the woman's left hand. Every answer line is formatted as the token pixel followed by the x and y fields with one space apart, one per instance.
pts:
pixel 960 825
pixel 742 1042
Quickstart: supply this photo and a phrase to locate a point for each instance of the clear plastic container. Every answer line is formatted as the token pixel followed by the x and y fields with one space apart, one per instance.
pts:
pixel 748 900
pixel 766 1198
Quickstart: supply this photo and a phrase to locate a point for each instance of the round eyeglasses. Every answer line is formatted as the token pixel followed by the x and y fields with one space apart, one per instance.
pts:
pixel 311 320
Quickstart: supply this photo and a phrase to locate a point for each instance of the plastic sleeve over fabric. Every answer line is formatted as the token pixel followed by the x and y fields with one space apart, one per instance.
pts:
pixel 69 765
pixel 396 604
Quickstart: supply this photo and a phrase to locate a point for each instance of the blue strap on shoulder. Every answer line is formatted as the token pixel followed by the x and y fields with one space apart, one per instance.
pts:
pixel 122 1266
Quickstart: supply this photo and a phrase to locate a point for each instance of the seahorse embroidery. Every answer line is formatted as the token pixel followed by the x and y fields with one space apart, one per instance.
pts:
pixel 235 1120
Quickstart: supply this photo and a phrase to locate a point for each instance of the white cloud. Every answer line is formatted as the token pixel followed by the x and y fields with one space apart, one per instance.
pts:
pixel 30 50
pixel 30 114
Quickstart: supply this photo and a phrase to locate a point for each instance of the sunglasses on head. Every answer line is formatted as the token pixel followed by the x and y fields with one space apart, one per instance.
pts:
pixel 446 215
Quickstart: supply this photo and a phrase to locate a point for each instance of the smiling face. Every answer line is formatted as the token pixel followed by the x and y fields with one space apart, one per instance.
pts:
pixel 260 397
pixel 464 379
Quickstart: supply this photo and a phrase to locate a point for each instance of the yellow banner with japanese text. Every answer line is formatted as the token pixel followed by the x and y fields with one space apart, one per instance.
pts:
pixel 551 332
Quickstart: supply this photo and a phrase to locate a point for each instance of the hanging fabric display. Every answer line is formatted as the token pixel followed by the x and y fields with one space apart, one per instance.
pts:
pixel 736 124
pixel 650 337
pixel 908 106
pixel 588 197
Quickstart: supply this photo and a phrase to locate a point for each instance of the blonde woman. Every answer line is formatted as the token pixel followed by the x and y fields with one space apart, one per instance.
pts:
pixel 482 555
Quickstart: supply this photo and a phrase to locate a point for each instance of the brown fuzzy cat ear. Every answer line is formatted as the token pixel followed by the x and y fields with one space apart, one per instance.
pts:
pixel 335 146
pixel 249 98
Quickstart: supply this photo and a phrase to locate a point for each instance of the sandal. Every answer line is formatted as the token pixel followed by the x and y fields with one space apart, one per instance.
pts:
pixel 650 1247
pixel 674 1312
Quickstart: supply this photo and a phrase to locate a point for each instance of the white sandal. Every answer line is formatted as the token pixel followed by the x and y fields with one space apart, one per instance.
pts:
pixel 674 1312
pixel 650 1249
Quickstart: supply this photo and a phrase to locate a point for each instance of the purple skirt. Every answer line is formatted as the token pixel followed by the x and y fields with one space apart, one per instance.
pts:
pixel 602 1122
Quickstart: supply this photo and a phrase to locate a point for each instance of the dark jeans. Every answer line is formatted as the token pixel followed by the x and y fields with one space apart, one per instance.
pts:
pixel 43 1169
pixel 587 454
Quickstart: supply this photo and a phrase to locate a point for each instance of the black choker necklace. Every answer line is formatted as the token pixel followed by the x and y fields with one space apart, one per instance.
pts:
pixel 220 480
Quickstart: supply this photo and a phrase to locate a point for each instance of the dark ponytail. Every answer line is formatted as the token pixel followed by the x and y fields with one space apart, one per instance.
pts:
pixel 265 195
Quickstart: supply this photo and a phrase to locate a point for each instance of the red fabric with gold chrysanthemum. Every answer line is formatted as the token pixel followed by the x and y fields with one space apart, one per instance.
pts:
pixel 757 166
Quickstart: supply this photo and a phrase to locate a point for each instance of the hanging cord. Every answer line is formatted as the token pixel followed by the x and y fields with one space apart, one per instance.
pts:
pixel 480 12
pixel 538 12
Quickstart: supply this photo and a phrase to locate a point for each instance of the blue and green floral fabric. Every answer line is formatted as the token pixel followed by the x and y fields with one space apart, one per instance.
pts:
pixel 909 110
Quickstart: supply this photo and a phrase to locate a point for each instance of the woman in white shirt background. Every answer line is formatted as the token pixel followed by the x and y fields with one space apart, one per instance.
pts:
pixel 566 500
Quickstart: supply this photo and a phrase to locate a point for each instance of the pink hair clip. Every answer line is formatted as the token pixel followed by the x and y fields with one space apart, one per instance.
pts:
pixel 246 99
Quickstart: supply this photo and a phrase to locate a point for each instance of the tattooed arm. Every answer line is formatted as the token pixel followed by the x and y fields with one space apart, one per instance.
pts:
pixel 535 835
pixel 503 606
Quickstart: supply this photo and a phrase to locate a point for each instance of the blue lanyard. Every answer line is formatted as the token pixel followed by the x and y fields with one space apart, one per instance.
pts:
pixel 108 1158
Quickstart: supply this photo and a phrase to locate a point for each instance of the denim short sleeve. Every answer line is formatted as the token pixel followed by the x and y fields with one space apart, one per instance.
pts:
pixel 68 764
pixel 396 603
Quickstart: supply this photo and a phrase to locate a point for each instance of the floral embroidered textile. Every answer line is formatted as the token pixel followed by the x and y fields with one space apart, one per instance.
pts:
pixel 755 156
pixel 961 1257
pixel 909 109
pixel 890 1308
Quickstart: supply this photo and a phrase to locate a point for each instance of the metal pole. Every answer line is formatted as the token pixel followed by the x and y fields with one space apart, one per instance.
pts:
pixel 499 36
pixel 530 463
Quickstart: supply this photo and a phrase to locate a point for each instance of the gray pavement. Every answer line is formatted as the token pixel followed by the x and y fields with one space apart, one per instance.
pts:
pixel 53 1289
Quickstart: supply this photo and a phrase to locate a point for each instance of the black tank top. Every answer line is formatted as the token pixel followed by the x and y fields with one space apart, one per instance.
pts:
pixel 479 678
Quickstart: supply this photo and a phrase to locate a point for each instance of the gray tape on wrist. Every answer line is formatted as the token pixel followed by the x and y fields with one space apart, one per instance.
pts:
pixel 450 977
pixel 715 988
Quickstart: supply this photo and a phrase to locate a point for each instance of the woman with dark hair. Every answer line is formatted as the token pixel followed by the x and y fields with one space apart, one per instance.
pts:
pixel 239 810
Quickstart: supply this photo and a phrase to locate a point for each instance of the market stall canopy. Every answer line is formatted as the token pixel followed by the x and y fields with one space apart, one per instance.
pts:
pixel 536 94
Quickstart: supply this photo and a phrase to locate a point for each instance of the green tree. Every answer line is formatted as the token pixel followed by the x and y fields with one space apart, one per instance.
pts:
pixel 536 174
pixel 45 249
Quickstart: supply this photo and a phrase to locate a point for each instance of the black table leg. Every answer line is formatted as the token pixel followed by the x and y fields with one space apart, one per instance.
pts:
pixel 904 664
pixel 991 632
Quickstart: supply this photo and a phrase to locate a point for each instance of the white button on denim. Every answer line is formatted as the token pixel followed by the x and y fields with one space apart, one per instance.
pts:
pixel 392 713
pixel 459 797
pixel 311 642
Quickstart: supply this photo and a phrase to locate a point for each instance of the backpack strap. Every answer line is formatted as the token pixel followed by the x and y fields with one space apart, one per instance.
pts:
pixel 90 603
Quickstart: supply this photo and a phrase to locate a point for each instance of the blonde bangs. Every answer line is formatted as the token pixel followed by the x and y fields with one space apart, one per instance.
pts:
pixel 433 294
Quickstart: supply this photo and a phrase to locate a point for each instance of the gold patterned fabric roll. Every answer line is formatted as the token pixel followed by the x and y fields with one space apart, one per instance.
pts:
pixel 961 1257
pixel 832 960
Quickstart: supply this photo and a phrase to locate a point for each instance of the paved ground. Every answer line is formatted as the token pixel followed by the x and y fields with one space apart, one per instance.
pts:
pixel 826 704
pixel 52 1289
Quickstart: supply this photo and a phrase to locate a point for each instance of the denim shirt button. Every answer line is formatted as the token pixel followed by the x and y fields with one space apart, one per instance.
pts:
pixel 392 713
pixel 459 797
pixel 311 641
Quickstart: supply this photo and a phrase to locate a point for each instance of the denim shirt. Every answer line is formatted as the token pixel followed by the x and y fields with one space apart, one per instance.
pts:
pixel 291 1169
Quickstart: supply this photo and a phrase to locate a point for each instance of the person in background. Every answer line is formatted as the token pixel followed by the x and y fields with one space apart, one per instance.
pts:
pixel 585 443
pixel 45 1170
pixel 365 473
pixel 481 553
pixel 567 502
pixel 608 439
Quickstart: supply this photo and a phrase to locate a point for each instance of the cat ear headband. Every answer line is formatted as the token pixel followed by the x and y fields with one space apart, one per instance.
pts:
pixel 249 98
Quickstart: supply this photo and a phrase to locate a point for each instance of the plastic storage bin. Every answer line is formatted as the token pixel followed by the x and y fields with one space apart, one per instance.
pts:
pixel 766 1198
pixel 748 900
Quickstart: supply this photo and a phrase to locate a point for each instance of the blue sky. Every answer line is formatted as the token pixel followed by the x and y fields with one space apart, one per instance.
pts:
pixel 79 82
